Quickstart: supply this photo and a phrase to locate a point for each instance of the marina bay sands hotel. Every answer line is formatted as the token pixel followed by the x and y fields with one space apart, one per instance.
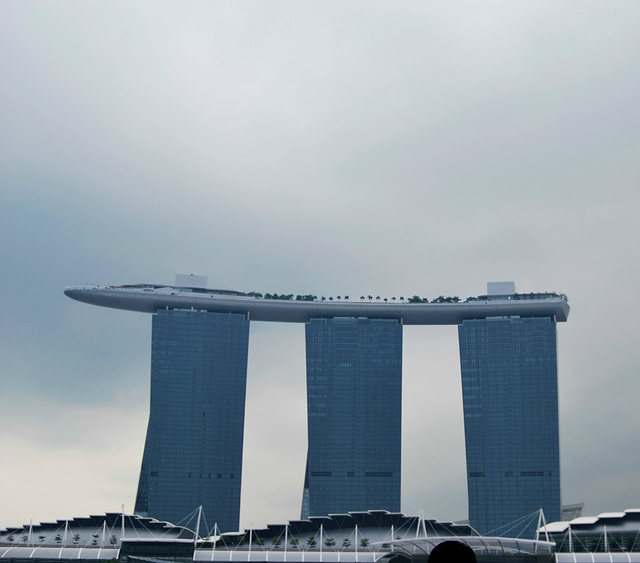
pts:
pixel 200 339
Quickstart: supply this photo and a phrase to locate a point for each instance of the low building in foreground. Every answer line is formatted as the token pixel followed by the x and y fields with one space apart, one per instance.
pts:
pixel 608 537
pixel 91 538
pixel 356 537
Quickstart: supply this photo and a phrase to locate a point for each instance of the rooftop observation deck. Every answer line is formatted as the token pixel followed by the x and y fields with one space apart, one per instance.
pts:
pixel 150 298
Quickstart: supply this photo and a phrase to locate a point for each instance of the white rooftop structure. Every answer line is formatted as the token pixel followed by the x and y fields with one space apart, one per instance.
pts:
pixel 501 288
pixel 149 298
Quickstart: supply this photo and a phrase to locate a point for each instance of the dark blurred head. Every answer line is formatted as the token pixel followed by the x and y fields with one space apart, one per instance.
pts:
pixel 452 552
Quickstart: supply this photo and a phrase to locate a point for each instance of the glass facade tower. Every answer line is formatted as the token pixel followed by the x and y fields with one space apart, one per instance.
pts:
pixel 354 402
pixel 193 450
pixel 510 398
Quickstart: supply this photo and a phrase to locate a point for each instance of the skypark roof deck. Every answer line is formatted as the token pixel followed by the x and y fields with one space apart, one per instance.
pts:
pixel 149 298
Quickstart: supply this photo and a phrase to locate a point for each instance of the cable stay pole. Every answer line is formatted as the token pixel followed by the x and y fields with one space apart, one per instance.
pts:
pixel 216 533
pixel 195 536
pixel 393 538
pixel 356 542
pixel 286 541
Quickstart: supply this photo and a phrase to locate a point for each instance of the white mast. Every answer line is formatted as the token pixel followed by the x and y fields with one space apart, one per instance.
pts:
pixel 66 528
pixel 356 542
pixel 542 524
pixel 195 536
pixel 420 527
pixel 286 540
pixel 215 541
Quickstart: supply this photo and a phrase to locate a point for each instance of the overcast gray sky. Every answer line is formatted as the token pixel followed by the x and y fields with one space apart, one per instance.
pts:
pixel 384 148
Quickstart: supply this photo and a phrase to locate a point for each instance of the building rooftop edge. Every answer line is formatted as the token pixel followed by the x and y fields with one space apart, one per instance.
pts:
pixel 150 298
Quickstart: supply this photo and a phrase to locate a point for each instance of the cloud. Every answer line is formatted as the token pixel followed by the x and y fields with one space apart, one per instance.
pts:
pixel 62 461
pixel 366 148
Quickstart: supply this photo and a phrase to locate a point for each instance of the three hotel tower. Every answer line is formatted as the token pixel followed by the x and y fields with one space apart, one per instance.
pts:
pixel 193 450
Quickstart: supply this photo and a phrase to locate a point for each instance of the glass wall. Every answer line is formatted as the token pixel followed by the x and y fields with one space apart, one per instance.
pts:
pixel 193 451
pixel 510 397
pixel 354 400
